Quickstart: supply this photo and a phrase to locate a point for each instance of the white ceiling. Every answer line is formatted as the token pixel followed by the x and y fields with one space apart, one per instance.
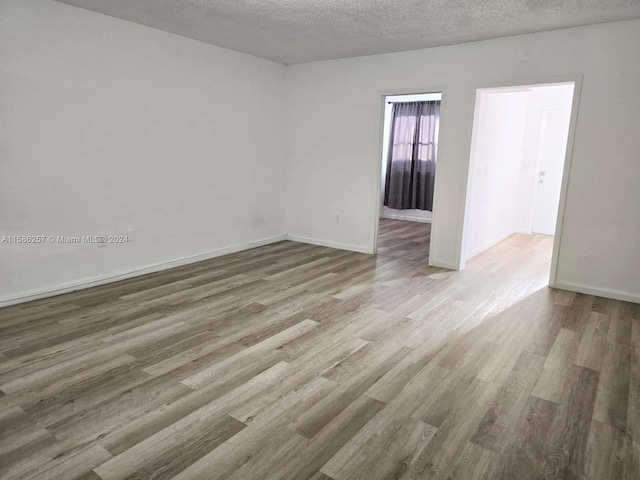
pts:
pixel 295 31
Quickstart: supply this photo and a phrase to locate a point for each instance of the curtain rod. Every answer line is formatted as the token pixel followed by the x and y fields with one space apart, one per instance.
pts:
pixel 412 101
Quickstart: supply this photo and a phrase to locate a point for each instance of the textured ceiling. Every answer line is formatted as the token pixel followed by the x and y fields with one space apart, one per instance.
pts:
pixel 295 31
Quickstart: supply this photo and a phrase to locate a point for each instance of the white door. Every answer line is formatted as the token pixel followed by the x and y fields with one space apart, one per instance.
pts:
pixel 552 146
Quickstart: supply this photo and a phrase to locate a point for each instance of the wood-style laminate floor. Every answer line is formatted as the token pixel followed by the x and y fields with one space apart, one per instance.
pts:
pixel 293 361
pixel 406 240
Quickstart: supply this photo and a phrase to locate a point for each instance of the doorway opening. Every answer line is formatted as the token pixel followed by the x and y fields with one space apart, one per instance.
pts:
pixel 518 157
pixel 407 178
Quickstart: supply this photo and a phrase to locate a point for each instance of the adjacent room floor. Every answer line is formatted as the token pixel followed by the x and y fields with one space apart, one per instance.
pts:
pixel 294 361
pixel 403 239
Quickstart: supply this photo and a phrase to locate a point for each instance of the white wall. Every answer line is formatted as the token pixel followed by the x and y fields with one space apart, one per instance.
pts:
pixel 412 214
pixel 496 156
pixel 109 127
pixel 334 118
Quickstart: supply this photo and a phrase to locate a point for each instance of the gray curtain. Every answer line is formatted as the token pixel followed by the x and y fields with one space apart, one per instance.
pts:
pixel 411 160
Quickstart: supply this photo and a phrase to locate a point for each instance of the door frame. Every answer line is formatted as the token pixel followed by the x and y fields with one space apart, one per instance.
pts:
pixel 381 96
pixel 566 172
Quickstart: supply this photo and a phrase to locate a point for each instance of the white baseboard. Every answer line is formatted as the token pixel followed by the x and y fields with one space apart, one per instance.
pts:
pixel 487 245
pixel 83 284
pixel 392 216
pixel 598 292
pixel 441 264
pixel 329 243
